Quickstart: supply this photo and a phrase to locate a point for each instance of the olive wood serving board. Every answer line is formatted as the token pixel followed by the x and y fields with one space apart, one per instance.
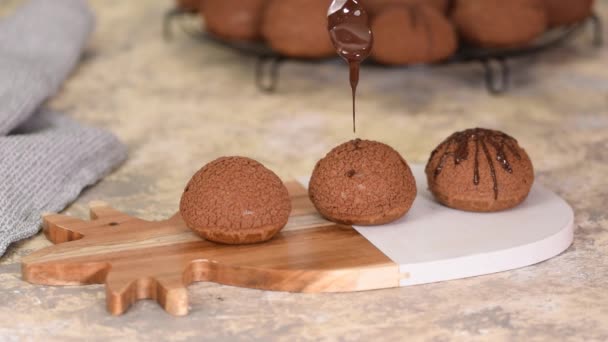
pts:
pixel 139 259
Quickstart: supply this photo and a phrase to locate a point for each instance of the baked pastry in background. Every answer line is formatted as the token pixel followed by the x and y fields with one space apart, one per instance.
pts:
pixel 566 12
pixel 235 200
pixel 298 28
pixel 499 23
pixel 362 182
pixel 375 6
pixel 234 19
pixel 189 5
pixel 480 170
pixel 409 34
pixel 405 31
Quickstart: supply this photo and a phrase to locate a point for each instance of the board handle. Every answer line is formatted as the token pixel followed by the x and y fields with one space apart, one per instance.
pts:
pixel 63 228
pixel 122 290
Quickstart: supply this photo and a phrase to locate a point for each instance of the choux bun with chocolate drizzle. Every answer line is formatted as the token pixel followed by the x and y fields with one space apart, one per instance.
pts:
pixel 480 170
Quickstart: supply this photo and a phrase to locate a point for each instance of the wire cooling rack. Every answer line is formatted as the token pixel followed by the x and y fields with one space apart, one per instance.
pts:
pixel 494 61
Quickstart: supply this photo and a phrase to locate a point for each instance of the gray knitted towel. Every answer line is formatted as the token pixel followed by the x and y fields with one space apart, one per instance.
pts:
pixel 45 159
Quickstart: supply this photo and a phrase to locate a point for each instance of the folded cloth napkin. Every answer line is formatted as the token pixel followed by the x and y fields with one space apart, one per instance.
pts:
pixel 45 159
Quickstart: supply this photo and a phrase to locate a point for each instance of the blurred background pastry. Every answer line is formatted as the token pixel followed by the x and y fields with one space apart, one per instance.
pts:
pixel 189 5
pixel 405 31
pixel 410 34
pixel 234 19
pixel 499 23
pixel 298 28
pixel 566 12
pixel 375 6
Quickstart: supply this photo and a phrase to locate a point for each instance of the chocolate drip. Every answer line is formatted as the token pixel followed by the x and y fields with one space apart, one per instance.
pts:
pixel 351 34
pixel 492 169
pixel 457 148
pixel 476 169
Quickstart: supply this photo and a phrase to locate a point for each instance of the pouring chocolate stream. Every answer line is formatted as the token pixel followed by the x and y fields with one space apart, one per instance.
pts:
pixel 351 34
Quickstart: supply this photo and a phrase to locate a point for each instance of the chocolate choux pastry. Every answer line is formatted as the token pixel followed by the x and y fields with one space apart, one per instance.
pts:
pixel 234 19
pixel 375 6
pixel 235 200
pixel 298 28
pixel 566 12
pixel 410 34
pixel 480 170
pixel 362 182
pixel 499 23
pixel 189 5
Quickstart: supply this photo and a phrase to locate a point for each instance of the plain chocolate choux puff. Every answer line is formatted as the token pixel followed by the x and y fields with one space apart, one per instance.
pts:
pixel 375 6
pixel 499 23
pixel 234 19
pixel 566 12
pixel 410 34
pixel 362 182
pixel 480 170
pixel 298 28
pixel 235 200
pixel 189 5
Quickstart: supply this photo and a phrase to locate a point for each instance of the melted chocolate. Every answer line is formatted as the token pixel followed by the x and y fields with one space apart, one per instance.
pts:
pixel 350 32
pixel 457 148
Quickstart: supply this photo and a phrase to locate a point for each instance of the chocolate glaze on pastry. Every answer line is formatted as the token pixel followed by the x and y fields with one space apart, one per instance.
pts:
pixel 298 28
pixel 235 200
pixel 375 6
pixel 362 182
pixel 499 23
pixel 566 12
pixel 234 19
pixel 410 34
pixel 351 34
pixel 480 170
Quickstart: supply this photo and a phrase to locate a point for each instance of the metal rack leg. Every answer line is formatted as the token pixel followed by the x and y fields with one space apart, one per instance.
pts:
pixel 597 27
pixel 267 73
pixel 497 75
pixel 167 20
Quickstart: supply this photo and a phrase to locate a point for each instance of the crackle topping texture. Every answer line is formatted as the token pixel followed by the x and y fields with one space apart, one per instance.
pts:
pixel 235 200
pixel 480 170
pixel 362 182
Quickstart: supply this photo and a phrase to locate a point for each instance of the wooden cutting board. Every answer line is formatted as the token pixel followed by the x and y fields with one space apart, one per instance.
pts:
pixel 139 259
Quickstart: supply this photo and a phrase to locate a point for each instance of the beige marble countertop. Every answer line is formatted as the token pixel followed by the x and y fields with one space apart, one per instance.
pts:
pixel 180 104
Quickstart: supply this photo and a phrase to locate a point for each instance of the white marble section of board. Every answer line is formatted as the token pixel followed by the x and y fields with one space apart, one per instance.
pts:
pixel 434 243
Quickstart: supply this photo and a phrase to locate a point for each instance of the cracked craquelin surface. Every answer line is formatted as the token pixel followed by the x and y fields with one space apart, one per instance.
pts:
pixel 181 104
pixel 362 182
pixel 480 170
pixel 235 200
